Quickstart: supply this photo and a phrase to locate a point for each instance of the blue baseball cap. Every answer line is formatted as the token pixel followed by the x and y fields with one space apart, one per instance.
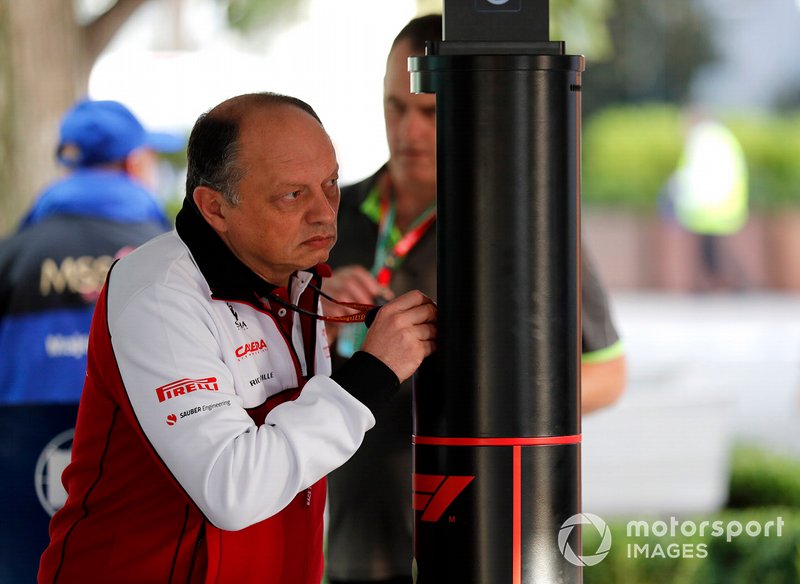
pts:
pixel 96 132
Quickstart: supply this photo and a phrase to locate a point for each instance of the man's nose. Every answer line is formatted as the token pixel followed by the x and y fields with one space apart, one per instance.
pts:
pixel 322 208
pixel 413 125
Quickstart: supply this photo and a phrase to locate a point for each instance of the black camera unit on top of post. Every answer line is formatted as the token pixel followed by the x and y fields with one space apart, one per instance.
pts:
pixel 496 27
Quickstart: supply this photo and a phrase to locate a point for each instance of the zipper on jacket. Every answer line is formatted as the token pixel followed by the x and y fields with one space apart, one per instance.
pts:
pixel 309 524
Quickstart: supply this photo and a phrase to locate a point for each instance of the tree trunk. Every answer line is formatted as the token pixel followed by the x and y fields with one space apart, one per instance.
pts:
pixel 45 61
pixel 43 71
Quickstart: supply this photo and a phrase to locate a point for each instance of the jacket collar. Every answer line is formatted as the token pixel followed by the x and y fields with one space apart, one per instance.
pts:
pixel 227 276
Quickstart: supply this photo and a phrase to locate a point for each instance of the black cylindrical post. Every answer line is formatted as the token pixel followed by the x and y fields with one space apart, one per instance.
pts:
pixel 497 408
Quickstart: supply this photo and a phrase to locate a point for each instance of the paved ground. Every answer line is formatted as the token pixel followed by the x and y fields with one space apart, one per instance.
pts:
pixel 743 346
pixel 705 372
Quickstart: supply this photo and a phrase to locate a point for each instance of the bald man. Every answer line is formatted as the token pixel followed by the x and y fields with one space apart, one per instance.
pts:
pixel 209 417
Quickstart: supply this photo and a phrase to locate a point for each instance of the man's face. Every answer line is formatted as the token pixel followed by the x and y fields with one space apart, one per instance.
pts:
pixel 289 195
pixel 410 123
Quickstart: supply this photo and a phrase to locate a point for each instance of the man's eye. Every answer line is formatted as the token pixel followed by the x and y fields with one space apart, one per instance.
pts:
pixel 292 196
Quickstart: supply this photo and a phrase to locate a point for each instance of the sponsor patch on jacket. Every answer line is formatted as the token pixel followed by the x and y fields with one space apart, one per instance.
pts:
pixel 262 377
pixel 172 419
pixel 251 348
pixel 184 386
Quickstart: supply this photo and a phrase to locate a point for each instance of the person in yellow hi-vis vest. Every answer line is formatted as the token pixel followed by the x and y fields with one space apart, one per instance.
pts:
pixel 711 192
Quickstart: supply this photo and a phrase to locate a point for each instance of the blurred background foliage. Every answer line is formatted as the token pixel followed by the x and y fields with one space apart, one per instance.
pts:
pixel 772 147
pixel 630 151
pixel 656 49
pixel 248 16
pixel 638 53
pixel 628 154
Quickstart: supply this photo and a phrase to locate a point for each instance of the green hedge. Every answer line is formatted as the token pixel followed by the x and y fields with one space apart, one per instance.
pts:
pixel 772 147
pixel 629 152
pixel 763 479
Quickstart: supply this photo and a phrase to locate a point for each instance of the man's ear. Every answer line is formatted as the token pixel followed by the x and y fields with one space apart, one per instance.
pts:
pixel 212 206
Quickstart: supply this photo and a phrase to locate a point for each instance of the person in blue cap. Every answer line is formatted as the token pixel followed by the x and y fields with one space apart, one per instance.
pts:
pixel 53 267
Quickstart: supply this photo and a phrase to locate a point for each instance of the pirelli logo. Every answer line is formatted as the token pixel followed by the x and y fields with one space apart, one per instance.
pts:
pixel 433 494
pixel 184 386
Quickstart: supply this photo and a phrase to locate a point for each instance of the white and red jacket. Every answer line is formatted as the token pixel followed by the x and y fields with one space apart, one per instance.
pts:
pixel 207 424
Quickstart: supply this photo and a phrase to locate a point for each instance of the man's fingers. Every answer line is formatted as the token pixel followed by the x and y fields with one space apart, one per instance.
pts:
pixel 421 314
pixel 362 280
pixel 413 316
pixel 356 290
pixel 403 333
pixel 429 347
pixel 355 284
pixel 426 332
pixel 409 300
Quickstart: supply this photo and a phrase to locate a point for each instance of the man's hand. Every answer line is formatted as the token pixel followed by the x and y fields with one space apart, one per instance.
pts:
pixel 350 284
pixel 403 333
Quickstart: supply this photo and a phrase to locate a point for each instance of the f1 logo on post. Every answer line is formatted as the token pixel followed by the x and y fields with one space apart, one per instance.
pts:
pixel 433 494
pixel 498 5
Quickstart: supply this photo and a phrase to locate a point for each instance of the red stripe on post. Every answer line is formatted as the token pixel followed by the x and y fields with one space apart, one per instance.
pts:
pixel 539 441
pixel 516 568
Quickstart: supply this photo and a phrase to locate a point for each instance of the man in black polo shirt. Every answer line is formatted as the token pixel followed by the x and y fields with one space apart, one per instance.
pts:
pixel 387 246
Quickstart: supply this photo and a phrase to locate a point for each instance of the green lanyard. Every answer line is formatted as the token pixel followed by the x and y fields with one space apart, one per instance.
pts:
pixel 388 257
pixel 386 236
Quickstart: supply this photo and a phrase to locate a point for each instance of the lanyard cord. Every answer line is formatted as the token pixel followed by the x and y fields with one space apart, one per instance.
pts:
pixel 386 261
pixel 359 316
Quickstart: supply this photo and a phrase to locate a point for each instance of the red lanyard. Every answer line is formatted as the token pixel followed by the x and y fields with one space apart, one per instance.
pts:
pixel 359 316
pixel 386 262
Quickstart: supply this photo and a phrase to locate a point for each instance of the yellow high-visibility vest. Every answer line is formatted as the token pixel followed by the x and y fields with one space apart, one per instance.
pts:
pixel 711 196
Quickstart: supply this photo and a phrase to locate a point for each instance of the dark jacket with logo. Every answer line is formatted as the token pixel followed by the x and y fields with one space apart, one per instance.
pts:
pixel 51 272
